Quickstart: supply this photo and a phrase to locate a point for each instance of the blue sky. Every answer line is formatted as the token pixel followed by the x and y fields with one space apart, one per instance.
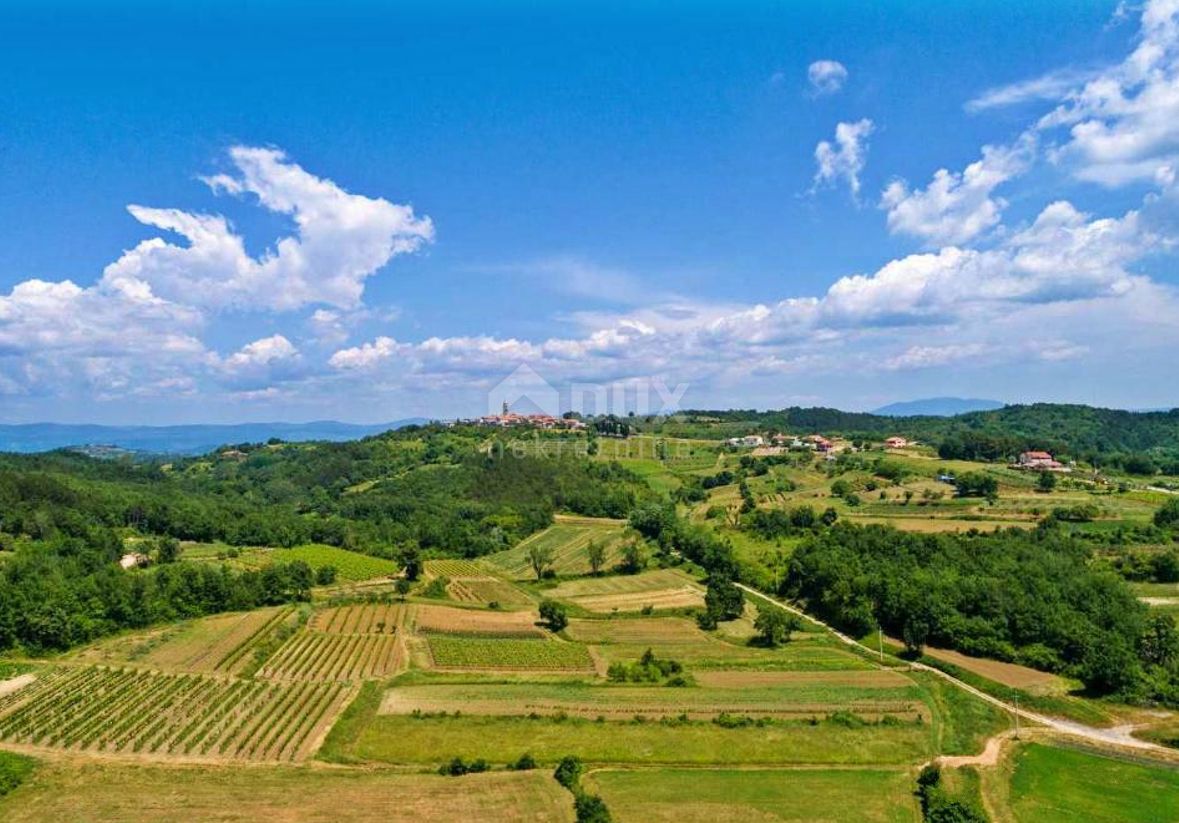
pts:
pixel 381 210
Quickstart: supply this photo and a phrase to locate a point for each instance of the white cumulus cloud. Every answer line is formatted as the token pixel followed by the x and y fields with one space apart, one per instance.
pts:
pixel 826 76
pixel 845 158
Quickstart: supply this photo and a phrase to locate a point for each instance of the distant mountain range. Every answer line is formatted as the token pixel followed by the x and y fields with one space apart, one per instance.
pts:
pixel 937 407
pixel 194 439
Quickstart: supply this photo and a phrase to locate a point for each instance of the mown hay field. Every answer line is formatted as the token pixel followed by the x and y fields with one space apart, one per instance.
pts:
pixel 473 622
pixel 709 795
pixel 409 739
pixel 678 638
pixel 1051 783
pixel 871 697
pixel 658 589
pixel 133 793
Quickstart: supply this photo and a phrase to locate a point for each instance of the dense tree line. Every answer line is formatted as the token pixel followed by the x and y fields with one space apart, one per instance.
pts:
pixel 1029 597
pixel 68 590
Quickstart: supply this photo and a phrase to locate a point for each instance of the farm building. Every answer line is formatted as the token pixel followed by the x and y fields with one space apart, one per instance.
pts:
pixel 896 443
pixel 749 441
pixel 1039 460
pixel 819 443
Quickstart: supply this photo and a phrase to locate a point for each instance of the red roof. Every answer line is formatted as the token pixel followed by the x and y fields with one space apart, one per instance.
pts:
pixel 1037 455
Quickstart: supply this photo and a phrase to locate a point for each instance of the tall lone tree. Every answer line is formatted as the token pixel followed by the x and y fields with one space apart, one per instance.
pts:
pixel 541 557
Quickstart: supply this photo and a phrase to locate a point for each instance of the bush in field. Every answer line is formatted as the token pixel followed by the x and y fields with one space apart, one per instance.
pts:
pixel 325 575
pixel 554 615
pixel 458 767
pixel 525 763
pixel 436 588
pixel 591 809
pixel 14 768
pixel 1168 516
pixel 568 773
pixel 648 669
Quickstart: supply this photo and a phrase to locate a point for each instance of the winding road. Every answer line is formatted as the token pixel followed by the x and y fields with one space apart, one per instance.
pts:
pixel 1120 736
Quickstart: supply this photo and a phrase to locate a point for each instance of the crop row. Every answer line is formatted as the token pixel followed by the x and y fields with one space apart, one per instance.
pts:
pixel 190 715
pixel 365 618
pixel 450 651
pixel 234 657
pixel 333 657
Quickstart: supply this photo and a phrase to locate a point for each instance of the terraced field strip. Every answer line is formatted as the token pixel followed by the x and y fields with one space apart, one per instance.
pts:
pixel 487 590
pixel 315 656
pixel 660 589
pixel 567 540
pixel 452 567
pixel 789 699
pixel 172 715
pixel 236 657
pixel 508 654
pixel 360 618
pixel 350 567
pixel 477 623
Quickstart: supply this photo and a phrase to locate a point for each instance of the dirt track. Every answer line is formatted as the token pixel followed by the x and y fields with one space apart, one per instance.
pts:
pixel 1117 736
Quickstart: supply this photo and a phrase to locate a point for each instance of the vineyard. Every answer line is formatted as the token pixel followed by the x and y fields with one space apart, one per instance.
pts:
pixel 508 654
pixel 486 590
pixel 351 567
pixel 568 540
pixel 315 656
pixel 100 709
pixel 454 568
pixel 370 618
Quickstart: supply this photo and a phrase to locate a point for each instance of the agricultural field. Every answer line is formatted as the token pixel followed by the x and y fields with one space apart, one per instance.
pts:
pixel 451 652
pixel 100 709
pixel 428 618
pixel 137 793
pixel 658 589
pixel 351 567
pixel 705 796
pixel 360 618
pixel 316 656
pixel 568 540
pixel 870 694
pixel 223 644
pixel 486 591
pixel 1051 783
pixel 678 638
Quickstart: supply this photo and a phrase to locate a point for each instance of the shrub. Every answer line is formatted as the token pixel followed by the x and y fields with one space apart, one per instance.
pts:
pixel 14 768
pixel 568 773
pixel 554 615
pixel 525 763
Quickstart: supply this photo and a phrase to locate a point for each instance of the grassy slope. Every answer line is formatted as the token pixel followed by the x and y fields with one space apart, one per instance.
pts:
pixel 1057 784
pixel 95 790
pixel 694 796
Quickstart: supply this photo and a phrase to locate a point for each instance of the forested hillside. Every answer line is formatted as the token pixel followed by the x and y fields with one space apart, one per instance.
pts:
pixel 68 518
pixel 1147 441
